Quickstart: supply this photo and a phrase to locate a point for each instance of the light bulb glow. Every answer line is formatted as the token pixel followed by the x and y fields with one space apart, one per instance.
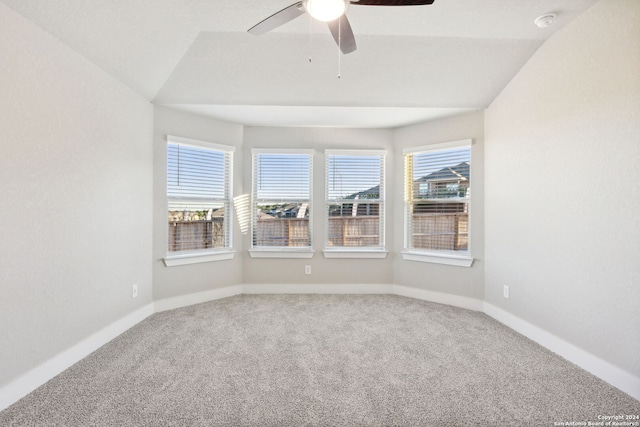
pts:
pixel 325 10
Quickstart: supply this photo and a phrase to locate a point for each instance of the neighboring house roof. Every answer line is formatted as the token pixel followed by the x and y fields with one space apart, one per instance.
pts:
pixel 290 207
pixel 362 194
pixel 453 173
pixel 264 215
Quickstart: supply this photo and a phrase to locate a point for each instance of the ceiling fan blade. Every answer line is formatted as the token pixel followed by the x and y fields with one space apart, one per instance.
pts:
pixel 342 34
pixel 277 19
pixel 392 2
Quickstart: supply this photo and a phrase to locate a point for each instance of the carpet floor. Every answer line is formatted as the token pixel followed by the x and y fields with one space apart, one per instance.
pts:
pixel 320 360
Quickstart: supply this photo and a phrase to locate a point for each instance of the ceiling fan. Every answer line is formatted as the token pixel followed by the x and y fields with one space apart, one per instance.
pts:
pixel 330 11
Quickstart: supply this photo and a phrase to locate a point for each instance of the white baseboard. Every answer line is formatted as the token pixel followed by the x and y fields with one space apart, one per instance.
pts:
pixel 602 369
pixel 196 298
pixel 344 289
pixel 25 384
pixel 438 297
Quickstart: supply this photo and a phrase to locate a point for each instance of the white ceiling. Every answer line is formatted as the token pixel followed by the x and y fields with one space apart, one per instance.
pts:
pixel 412 63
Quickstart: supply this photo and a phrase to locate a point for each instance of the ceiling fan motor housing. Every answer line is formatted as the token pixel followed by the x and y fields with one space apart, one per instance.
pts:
pixel 326 10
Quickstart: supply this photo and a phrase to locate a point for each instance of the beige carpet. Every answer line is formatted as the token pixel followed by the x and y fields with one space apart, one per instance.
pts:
pixel 320 360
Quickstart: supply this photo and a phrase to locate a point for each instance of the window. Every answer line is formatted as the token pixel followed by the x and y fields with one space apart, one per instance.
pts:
pixel 437 198
pixel 281 202
pixel 355 199
pixel 199 196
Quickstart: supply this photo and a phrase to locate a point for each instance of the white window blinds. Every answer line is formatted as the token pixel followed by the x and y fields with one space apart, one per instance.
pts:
pixel 281 198
pixel 283 177
pixel 199 193
pixel 437 197
pixel 355 198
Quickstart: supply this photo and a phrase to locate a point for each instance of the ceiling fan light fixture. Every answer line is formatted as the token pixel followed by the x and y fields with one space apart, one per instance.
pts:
pixel 325 10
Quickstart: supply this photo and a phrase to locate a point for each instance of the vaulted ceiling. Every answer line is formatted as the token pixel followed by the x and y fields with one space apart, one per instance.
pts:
pixel 412 63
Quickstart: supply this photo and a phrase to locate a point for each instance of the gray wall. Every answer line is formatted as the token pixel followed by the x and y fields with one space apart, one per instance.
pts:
pixel 562 144
pixel 467 282
pixel 461 281
pixel 324 271
pixel 186 279
pixel 76 169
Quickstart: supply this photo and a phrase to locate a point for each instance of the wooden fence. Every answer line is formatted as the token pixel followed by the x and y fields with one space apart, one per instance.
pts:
pixel 354 231
pixel 282 232
pixel 430 231
pixel 193 235
pixel 441 231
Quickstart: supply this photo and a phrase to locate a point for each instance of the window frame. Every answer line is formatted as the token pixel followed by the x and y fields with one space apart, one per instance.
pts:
pixel 455 258
pixel 280 251
pixel 374 251
pixel 195 256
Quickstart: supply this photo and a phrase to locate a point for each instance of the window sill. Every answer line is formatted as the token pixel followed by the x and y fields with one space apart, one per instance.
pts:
pixel 281 253
pixel 197 258
pixel 438 258
pixel 355 253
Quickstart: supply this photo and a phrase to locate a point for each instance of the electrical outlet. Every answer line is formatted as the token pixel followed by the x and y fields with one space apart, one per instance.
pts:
pixel 505 291
pixel 134 290
pixel 307 269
